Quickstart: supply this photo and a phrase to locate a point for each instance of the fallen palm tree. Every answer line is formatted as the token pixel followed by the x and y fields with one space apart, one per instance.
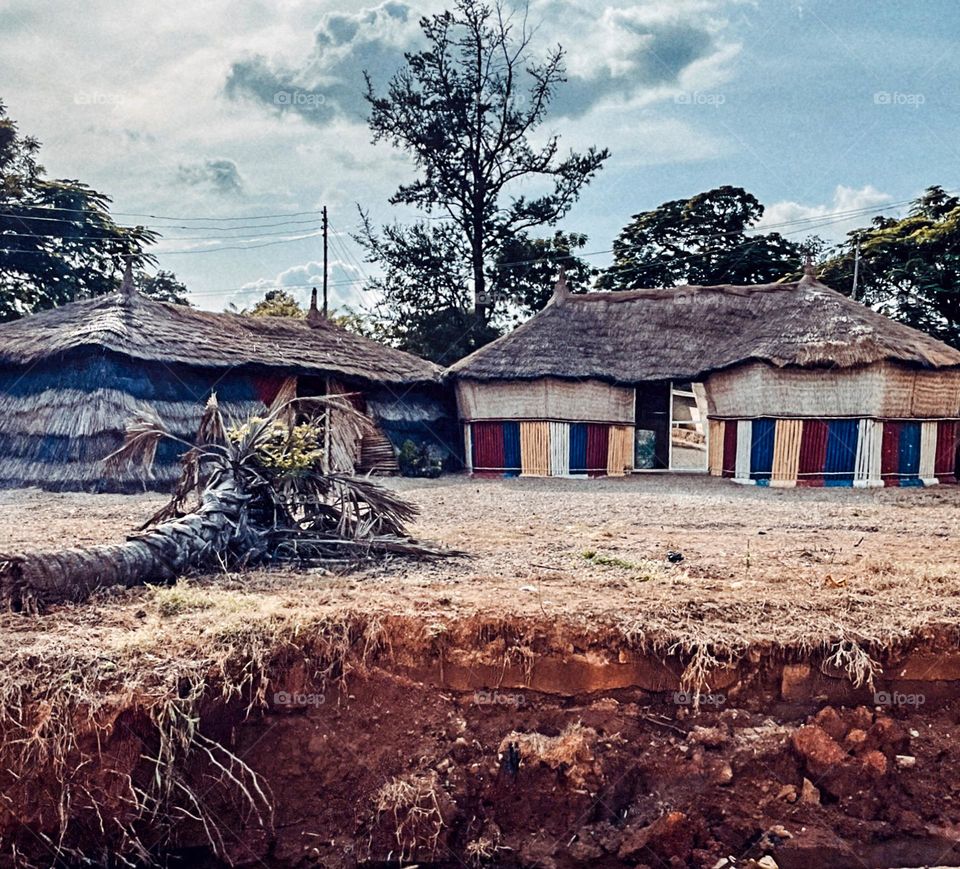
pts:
pixel 261 496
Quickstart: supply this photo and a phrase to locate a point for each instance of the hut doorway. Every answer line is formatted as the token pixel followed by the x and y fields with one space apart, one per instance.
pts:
pixel 671 427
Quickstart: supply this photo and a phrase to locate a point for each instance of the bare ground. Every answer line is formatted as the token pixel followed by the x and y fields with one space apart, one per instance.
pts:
pixel 759 565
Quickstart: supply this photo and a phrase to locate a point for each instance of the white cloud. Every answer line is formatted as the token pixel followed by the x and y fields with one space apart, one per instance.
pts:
pixel 345 283
pixel 831 221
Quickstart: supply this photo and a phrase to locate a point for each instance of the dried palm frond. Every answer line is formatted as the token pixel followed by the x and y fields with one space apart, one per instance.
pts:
pixel 140 442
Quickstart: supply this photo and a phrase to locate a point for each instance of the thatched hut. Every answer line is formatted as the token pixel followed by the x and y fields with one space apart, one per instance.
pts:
pixel 781 384
pixel 71 378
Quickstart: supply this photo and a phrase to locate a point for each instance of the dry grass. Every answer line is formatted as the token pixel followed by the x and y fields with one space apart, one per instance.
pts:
pixel 411 806
pixel 570 751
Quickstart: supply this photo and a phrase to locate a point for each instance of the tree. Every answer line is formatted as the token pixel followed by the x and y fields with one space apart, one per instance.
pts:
pixel 909 267
pixel 58 241
pixel 424 293
pixel 162 287
pixel 466 109
pixel 528 267
pixel 276 303
pixel 701 240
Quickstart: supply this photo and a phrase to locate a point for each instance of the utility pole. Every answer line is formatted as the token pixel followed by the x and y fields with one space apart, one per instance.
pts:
pixel 856 268
pixel 325 224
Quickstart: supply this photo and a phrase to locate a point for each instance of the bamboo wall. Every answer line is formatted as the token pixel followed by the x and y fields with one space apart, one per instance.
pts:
pixel 835 452
pixel 539 448
pixel 546 398
pixel 886 390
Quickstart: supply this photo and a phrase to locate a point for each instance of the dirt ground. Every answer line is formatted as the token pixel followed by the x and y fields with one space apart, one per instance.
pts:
pixel 758 564
pixel 377 709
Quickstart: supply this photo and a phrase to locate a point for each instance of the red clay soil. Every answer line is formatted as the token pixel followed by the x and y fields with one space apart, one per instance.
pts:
pixel 388 769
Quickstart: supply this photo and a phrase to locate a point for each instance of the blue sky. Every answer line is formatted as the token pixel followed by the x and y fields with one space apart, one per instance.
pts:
pixel 815 107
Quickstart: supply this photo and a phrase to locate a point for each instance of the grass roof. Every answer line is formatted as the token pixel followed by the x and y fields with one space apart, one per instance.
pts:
pixel 684 333
pixel 140 328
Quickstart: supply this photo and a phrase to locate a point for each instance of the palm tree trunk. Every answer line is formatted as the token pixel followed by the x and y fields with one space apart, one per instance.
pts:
pixel 32 582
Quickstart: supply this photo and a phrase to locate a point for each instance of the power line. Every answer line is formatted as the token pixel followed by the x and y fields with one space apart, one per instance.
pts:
pixel 316 212
pixel 173 238
pixel 165 226
pixel 174 252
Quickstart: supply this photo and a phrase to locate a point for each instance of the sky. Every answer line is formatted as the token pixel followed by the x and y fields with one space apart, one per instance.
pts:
pixel 194 117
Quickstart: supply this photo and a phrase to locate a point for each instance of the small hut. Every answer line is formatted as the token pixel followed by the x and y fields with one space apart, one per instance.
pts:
pixel 779 384
pixel 71 378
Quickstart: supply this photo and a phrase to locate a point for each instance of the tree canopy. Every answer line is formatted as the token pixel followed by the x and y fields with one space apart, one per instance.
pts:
pixel 162 287
pixel 58 241
pixel 276 303
pixel 467 109
pixel 705 239
pixel 909 267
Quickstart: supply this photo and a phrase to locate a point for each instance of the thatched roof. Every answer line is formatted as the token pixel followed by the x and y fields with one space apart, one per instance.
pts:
pixel 684 333
pixel 140 328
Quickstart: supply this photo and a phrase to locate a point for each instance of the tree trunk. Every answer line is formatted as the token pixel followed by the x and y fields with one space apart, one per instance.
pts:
pixel 32 582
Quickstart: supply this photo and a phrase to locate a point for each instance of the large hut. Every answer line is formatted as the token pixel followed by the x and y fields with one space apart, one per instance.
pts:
pixel 73 377
pixel 781 384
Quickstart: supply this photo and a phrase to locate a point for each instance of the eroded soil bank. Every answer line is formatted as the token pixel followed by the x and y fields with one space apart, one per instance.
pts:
pixel 405 742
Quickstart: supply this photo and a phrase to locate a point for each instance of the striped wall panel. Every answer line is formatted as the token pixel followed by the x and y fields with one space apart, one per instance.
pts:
pixel 909 458
pixel 715 458
pixel 786 452
pixel 559 449
pixel 761 450
pixel 813 453
pixel 945 463
pixel 511 449
pixel 890 453
pixel 578 448
pixel 840 462
pixel 764 451
pixel 534 449
pixel 867 473
pixel 619 450
pixel 730 448
pixel 598 441
pixel 928 453
pixel 487 442
pixel 741 472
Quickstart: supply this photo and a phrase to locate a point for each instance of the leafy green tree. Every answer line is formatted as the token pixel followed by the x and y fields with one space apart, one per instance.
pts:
pixel 162 287
pixel 468 109
pixel 58 241
pixel 276 303
pixel 527 269
pixel 425 302
pixel 909 267
pixel 702 240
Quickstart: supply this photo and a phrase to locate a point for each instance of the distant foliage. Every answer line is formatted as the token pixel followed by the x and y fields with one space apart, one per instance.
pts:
pixel 58 242
pixel 705 239
pixel 415 461
pixel 162 287
pixel 276 303
pixel 909 267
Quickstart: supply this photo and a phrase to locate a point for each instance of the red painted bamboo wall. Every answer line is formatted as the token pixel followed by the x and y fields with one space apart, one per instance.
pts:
pixel 813 453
